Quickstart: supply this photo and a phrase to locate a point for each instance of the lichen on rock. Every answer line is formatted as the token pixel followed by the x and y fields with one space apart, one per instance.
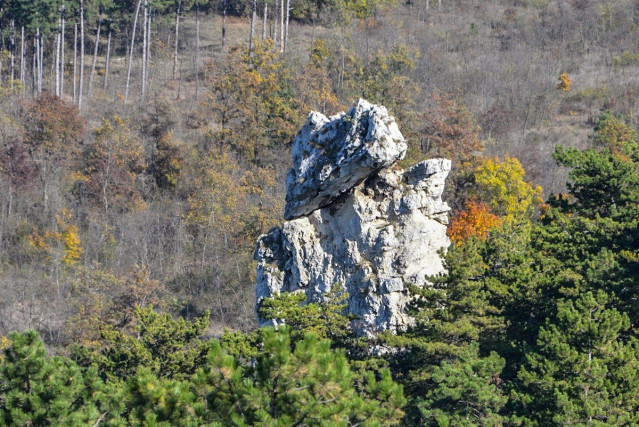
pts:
pixel 354 219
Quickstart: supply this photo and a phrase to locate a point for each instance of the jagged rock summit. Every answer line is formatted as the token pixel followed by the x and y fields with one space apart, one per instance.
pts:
pixel 332 155
pixel 355 219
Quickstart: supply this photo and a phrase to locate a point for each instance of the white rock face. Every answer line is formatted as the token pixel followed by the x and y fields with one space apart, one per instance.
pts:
pixel 332 155
pixel 375 232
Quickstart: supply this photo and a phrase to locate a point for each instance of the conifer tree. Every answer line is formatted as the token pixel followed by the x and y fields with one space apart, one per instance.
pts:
pixel 308 385
pixel 327 318
pixel 166 347
pixel 586 369
pixel 36 390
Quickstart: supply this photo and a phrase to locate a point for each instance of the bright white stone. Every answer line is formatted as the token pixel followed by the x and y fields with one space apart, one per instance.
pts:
pixel 331 156
pixel 381 235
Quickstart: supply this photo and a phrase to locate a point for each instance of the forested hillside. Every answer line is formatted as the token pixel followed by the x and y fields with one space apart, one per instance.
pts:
pixel 144 147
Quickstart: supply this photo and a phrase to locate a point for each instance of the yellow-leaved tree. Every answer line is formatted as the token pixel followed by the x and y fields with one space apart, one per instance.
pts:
pixel 61 246
pixel 501 185
pixel 564 82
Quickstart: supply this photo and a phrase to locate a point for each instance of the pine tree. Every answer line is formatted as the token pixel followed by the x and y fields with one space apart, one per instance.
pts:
pixel 466 392
pixel 36 390
pixel 327 319
pixel 586 368
pixel 166 347
pixel 310 385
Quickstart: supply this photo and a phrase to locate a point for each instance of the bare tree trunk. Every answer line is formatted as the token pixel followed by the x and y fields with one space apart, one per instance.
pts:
pixel 144 46
pixel 288 9
pixel 281 26
pixel 58 56
pixel 108 60
pixel 39 62
pixel 13 51
pixel 253 17
pixel 144 50
pixel 42 40
pixel 63 18
pixel 223 24
pixel 75 63
pixel 23 62
pixel 34 69
pixel 148 48
pixel 81 55
pixel 264 21
pixel 197 49
pixel 128 73
pixel 177 33
pixel 439 4
pixel 276 18
pixel 95 56
pixel 57 65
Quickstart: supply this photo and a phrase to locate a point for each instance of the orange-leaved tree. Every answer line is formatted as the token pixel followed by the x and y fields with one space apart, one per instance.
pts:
pixel 476 220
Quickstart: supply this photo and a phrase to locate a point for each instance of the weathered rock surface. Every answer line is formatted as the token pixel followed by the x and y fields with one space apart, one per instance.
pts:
pixel 372 228
pixel 332 155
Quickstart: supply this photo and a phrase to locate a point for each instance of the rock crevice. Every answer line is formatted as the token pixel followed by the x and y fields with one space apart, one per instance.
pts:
pixel 355 218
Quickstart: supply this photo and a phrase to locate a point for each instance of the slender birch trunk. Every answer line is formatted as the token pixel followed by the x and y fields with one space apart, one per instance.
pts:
pixel 281 26
pixel 23 62
pixel 253 18
pixel 288 9
pixel 58 54
pixel 63 17
pixel 128 73
pixel 264 21
pixel 57 65
pixel 75 63
pixel 223 24
pixel 108 60
pixel 177 33
pixel 81 55
pixel 95 56
pixel 148 48
pixel 34 69
pixel 276 18
pixel 41 66
pixel 144 51
pixel 38 63
pixel 197 50
pixel 13 51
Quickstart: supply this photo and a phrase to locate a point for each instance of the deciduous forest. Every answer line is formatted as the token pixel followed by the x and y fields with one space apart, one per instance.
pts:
pixel 144 147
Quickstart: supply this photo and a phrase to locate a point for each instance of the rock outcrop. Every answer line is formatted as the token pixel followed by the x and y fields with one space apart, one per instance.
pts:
pixel 356 219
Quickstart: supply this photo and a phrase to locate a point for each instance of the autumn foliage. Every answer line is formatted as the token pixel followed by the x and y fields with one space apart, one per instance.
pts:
pixel 564 82
pixel 475 221
pixel 449 130
pixel 501 185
